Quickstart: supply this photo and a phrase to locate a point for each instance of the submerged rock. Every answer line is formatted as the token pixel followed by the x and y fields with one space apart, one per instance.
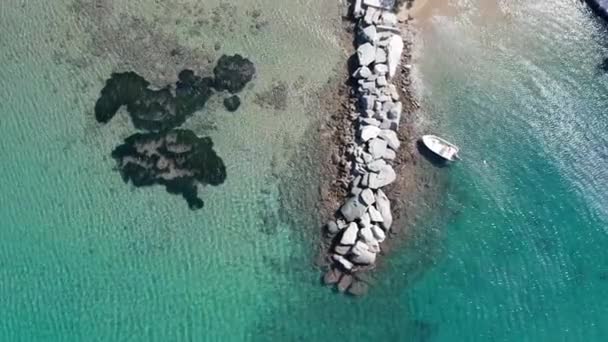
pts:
pixel 177 159
pixel 152 110
pixel 232 103
pixel 232 73
pixel 332 276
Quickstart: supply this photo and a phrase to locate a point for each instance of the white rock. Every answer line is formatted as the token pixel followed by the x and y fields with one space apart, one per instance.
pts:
pixel 369 86
pixel 342 224
pixel 367 235
pixel 369 34
pixel 395 111
pixel 393 91
pixel 343 262
pixel 367 101
pixel 376 165
pixel 380 56
pixel 380 69
pixel 377 147
pixel 365 180
pixel 367 158
pixel 395 49
pixel 362 72
pixel 369 132
pixel 378 233
pixel 369 113
pixel 366 54
pixel 350 234
pixel 381 81
pixel 383 178
pixel 353 208
pixel 355 191
pixel 384 207
pixel 391 138
pixel 362 254
pixel 374 214
pixel 374 246
pixel 389 18
pixel 370 13
pixel 367 197
pixel 370 121
pixel 365 221
pixel 358 9
pixel 339 249
pixel 384 4
pixel 389 154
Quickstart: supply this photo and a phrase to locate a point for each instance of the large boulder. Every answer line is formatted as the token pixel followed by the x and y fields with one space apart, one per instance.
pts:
pixel 353 209
pixel 369 34
pixel 366 54
pixel 332 276
pixel 395 49
pixel 367 197
pixel 232 73
pixel 391 138
pixel 378 233
pixel 384 207
pixel 369 132
pixel 383 178
pixel 349 237
pixel 376 165
pixel 374 214
pixel 361 254
pixel 343 262
pixel 377 147
pixel 367 235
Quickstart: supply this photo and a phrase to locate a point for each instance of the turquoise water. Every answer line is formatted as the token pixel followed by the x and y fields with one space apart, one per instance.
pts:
pixel 515 252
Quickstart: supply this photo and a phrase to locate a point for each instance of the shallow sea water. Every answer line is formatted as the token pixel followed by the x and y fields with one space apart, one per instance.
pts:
pixel 515 254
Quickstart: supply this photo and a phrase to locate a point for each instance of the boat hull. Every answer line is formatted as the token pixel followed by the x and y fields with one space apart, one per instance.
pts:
pixel 441 147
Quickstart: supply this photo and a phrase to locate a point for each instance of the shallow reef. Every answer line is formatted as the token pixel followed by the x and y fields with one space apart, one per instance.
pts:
pixel 177 159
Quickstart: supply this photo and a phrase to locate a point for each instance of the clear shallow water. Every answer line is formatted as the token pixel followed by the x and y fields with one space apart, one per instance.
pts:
pixel 517 254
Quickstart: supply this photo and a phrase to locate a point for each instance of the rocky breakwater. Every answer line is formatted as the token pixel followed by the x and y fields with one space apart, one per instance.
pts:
pixel 364 221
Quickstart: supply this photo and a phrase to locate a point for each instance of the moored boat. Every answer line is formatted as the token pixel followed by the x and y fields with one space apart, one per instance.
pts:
pixel 441 147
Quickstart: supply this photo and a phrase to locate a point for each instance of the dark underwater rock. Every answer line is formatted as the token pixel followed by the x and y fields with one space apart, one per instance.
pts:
pixel 232 73
pixel 177 159
pixel 153 110
pixel 232 103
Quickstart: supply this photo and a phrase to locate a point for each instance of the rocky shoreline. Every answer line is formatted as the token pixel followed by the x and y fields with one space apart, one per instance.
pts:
pixel 372 145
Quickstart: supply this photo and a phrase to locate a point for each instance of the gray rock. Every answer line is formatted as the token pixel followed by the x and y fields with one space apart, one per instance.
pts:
pixel 343 262
pixel 380 69
pixel 391 138
pixel 395 49
pixel 374 246
pixel 350 235
pixel 389 154
pixel 383 178
pixel 374 214
pixel 395 111
pixel 376 165
pixel 355 191
pixel 362 254
pixel 384 207
pixel 362 73
pixel 381 56
pixel 369 34
pixel 378 233
pixel 383 98
pixel 367 158
pixel 369 86
pixel 366 54
pixel 369 113
pixel 345 282
pixel 377 147
pixel 367 197
pixel 381 81
pixel 353 209
pixel 369 132
pixel 358 289
pixel 340 249
pixel 332 276
pixel 384 4
pixel 341 224
pixel 332 227
pixel 389 124
pixel 367 101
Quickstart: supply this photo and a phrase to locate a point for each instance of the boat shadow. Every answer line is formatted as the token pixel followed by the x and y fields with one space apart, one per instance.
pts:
pixel 429 155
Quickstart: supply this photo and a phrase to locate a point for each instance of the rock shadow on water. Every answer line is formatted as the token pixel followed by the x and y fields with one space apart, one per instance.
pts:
pixel 177 159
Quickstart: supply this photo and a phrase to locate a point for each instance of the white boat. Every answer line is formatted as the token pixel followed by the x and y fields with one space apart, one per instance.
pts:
pixel 441 147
